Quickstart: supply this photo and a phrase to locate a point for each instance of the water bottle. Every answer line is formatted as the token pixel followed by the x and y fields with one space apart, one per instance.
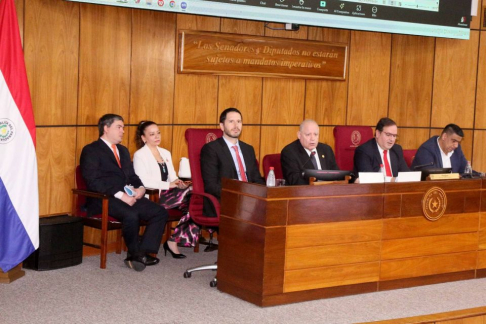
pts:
pixel 271 178
pixel 383 171
pixel 468 169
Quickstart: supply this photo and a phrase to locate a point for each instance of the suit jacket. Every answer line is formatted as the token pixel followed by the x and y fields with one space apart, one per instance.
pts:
pixel 147 168
pixel 367 158
pixel 294 160
pixel 429 153
pixel 101 171
pixel 217 163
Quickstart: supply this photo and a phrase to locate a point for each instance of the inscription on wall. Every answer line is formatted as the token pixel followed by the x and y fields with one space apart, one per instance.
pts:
pixel 230 54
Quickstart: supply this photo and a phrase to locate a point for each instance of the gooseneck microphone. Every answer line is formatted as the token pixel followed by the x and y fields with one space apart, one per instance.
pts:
pixel 308 160
pixel 423 165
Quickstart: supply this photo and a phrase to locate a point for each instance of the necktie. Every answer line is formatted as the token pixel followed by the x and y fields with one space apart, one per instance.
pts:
pixel 313 160
pixel 113 146
pixel 387 165
pixel 240 165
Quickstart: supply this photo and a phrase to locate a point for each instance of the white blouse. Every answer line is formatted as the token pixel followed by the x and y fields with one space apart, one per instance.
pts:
pixel 148 170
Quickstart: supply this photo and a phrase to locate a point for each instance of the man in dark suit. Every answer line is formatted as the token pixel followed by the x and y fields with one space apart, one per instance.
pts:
pixel 381 150
pixel 228 157
pixel 107 168
pixel 442 151
pixel 306 153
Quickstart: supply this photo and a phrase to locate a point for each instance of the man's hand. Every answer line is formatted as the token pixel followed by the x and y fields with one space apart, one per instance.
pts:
pixel 139 192
pixel 128 200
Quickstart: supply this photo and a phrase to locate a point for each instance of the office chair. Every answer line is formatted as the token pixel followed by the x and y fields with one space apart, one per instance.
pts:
pixel 196 138
pixel 346 140
pixel 409 155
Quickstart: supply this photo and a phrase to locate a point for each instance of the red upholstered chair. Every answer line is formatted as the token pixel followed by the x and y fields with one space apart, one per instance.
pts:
pixel 101 221
pixel 272 160
pixel 409 155
pixel 347 139
pixel 196 138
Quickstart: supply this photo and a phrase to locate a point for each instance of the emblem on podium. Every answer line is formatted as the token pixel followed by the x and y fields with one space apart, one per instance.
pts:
pixel 434 203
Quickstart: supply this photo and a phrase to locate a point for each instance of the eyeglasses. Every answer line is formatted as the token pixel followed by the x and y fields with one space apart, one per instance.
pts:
pixel 390 135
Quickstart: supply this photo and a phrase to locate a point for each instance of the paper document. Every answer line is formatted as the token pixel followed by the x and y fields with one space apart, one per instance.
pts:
pixel 371 177
pixel 409 176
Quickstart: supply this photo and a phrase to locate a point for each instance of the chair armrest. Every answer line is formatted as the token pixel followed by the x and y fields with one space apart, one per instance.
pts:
pixel 153 194
pixel 90 194
pixel 211 198
pixel 104 212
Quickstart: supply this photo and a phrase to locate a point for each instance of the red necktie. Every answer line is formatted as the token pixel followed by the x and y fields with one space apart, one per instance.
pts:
pixel 240 165
pixel 113 146
pixel 387 165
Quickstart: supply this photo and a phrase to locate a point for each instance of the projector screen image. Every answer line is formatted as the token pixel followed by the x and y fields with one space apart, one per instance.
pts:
pixel 438 18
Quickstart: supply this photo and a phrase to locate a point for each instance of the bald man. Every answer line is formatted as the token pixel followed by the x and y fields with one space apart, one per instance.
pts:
pixel 296 157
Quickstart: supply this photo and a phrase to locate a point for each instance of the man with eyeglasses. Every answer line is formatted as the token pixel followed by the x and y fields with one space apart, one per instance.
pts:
pixel 381 150
pixel 442 151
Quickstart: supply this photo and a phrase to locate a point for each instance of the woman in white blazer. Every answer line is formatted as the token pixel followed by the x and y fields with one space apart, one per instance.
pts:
pixel 154 166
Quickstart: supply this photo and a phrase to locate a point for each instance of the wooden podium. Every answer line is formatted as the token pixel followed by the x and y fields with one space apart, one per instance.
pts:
pixel 288 244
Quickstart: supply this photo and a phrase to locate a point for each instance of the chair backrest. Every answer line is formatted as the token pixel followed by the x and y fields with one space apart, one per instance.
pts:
pixel 272 160
pixel 347 139
pixel 196 138
pixel 81 199
pixel 409 155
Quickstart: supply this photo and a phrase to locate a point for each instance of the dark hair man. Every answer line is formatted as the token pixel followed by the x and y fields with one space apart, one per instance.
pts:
pixel 228 157
pixel 442 151
pixel 381 150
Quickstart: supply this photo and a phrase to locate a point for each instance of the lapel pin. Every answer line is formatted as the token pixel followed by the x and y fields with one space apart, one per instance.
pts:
pixel 322 156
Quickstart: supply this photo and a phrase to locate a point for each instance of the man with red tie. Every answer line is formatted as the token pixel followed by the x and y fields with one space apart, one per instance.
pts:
pixel 228 157
pixel 381 150
pixel 107 168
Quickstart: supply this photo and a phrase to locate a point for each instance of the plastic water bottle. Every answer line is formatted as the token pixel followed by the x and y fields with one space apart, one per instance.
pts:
pixel 468 169
pixel 271 178
pixel 383 171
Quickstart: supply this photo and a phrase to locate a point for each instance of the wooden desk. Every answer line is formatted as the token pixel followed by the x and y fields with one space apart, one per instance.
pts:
pixel 289 244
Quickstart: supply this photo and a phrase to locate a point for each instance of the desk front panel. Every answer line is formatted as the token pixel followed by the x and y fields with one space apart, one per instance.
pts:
pixel 366 240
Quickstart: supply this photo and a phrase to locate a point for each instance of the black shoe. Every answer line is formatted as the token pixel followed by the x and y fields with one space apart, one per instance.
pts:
pixel 150 260
pixel 136 263
pixel 174 255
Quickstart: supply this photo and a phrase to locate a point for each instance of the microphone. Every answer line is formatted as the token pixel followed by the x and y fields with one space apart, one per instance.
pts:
pixel 423 165
pixel 308 160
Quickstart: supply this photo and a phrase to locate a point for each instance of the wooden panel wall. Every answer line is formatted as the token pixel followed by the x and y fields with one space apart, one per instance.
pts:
pixel 86 60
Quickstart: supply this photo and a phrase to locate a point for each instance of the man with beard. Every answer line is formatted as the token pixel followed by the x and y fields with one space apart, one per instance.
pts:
pixel 228 157
pixel 381 150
